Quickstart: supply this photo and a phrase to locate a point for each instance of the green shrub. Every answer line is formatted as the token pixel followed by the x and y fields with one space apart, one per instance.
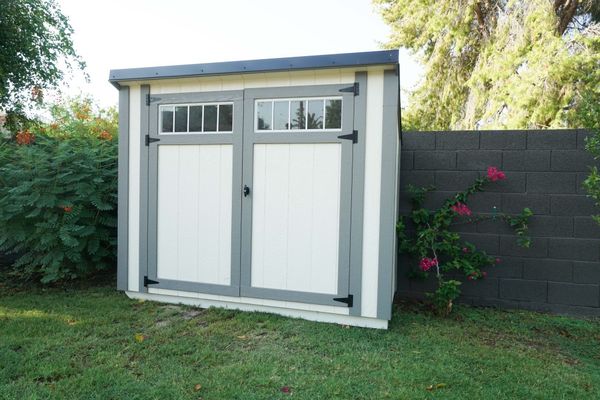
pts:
pixel 589 118
pixel 435 247
pixel 58 194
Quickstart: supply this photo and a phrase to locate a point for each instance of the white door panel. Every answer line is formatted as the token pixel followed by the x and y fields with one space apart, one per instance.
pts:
pixel 194 213
pixel 295 217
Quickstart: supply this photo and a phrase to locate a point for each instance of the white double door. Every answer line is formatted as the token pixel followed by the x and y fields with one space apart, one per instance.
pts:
pixel 246 212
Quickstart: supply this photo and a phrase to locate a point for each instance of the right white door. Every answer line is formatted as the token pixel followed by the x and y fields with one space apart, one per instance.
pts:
pixel 296 206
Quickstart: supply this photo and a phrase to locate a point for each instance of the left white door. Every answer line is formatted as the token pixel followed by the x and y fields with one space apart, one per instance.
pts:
pixel 194 192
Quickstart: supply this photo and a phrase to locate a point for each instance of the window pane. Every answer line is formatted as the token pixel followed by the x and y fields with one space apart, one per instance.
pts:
pixel 210 118
pixel 314 119
pixel 298 111
pixel 263 113
pixel 281 114
pixel 333 114
pixel 195 118
pixel 166 118
pixel 225 117
pixel 181 119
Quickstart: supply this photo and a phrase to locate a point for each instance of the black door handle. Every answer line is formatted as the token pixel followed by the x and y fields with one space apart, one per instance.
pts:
pixel 246 190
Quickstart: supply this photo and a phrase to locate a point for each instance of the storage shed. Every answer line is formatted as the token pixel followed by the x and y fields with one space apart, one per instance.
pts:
pixel 265 185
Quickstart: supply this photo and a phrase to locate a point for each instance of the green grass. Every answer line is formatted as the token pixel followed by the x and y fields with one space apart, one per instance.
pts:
pixel 81 344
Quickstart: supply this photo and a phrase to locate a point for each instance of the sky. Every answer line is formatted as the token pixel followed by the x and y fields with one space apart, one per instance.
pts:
pixel 111 34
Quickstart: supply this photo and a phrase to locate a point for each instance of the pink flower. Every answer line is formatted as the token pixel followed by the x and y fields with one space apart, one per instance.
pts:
pixel 498 261
pixel 484 274
pixel 461 209
pixel 494 174
pixel 426 263
pixel 465 250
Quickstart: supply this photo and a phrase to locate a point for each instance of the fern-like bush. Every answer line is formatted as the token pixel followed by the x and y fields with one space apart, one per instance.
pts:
pixel 58 194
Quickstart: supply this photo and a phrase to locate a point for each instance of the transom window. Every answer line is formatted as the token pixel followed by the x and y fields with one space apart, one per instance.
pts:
pixel 307 114
pixel 196 118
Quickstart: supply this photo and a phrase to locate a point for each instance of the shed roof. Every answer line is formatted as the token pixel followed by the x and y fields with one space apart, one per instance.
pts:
pixel 254 66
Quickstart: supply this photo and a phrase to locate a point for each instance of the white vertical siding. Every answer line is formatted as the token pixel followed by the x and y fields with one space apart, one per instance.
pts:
pixel 134 188
pixel 240 82
pixel 319 308
pixel 194 213
pixel 396 191
pixel 311 312
pixel 372 195
pixel 295 220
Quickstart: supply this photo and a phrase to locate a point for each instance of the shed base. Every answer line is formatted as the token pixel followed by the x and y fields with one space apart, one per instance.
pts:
pixel 309 315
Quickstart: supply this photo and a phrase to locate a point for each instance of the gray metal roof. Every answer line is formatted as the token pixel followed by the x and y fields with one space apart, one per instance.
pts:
pixel 250 66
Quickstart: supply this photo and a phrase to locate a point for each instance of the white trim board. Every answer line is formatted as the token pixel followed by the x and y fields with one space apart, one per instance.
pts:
pixel 134 187
pixel 372 194
pixel 309 315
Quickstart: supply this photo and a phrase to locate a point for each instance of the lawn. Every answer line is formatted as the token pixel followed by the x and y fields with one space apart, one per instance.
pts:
pixel 95 343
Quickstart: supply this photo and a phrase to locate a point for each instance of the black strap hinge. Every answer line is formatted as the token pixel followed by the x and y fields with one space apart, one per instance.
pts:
pixel 351 89
pixel 149 281
pixel 351 136
pixel 348 300
pixel 150 140
pixel 150 99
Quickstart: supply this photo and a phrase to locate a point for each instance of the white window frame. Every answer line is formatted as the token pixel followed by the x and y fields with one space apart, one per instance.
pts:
pixel 188 105
pixel 289 100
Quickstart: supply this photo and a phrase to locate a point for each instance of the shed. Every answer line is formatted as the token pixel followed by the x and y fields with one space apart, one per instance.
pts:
pixel 265 185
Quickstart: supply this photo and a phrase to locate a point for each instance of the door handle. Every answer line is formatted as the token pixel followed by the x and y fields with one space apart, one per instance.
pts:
pixel 246 190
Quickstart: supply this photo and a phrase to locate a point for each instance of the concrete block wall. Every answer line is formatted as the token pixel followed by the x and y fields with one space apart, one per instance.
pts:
pixel 545 170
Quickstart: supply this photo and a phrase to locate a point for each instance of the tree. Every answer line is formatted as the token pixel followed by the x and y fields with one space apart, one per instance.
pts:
pixel 500 63
pixel 35 49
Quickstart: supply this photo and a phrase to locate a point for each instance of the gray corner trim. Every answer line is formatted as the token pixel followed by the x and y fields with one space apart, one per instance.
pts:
pixel 387 224
pixel 358 184
pixel 144 116
pixel 123 190
pixel 381 57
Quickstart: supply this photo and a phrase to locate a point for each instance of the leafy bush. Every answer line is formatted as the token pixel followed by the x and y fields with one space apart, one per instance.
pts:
pixel 438 249
pixel 58 194
pixel 590 119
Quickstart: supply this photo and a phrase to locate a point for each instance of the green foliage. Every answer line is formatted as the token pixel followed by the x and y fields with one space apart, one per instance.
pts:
pixel 592 185
pixel 444 295
pixel 434 246
pixel 520 225
pixel 591 120
pixel 58 194
pixel 35 47
pixel 500 63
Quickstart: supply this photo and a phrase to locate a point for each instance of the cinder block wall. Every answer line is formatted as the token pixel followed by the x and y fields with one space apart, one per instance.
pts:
pixel 545 170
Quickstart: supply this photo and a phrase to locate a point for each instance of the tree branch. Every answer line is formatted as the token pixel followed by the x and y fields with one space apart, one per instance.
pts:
pixel 565 10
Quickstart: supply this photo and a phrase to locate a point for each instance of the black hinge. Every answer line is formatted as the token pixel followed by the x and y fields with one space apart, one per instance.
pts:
pixel 351 136
pixel 149 281
pixel 150 140
pixel 150 99
pixel 351 89
pixel 348 300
